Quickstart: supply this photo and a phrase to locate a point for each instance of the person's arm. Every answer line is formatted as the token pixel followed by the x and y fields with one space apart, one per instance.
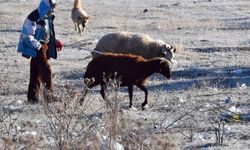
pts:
pixel 59 43
pixel 29 29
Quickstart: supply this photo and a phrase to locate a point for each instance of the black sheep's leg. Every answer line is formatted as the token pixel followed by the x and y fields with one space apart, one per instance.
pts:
pixel 143 88
pixel 89 86
pixel 130 92
pixel 85 93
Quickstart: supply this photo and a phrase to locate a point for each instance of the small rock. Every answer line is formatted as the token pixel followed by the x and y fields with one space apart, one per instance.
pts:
pixel 132 134
pixel 156 126
pixel 228 100
pixel 145 10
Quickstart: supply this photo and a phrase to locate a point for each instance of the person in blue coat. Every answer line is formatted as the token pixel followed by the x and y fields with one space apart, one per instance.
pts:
pixel 38 42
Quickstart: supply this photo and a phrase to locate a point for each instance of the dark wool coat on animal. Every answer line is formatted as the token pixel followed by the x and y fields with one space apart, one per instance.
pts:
pixel 130 69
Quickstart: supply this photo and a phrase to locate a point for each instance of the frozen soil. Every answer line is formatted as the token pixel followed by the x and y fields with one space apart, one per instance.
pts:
pixel 213 42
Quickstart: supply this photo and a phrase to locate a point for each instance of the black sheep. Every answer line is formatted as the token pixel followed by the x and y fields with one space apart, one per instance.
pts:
pixel 130 69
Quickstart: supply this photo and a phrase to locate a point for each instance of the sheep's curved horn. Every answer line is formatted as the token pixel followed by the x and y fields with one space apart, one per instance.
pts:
pixel 168 47
pixel 171 47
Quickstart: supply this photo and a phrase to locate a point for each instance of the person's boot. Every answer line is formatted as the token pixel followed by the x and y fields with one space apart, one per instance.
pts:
pixel 33 100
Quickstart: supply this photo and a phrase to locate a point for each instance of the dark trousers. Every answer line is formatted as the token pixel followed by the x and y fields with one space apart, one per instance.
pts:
pixel 40 72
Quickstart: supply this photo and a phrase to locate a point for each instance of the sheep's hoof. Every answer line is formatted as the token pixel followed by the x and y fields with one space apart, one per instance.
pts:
pixel 144 107
pixel 132 108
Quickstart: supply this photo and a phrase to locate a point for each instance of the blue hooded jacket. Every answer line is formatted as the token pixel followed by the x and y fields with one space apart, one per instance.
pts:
pixel 33 33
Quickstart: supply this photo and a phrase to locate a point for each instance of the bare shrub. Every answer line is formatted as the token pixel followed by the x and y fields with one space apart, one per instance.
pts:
pixel 136 135
pixel 9 132
pixel 119 131
pixel 190 127
pixel 217 121
pixel 112 129
pixel 14 136
pixel 6 86
pixel 69 124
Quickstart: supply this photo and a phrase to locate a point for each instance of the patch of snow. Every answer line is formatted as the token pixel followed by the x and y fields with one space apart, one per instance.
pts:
pixel 18 102
pixel 33 133
pixel 12 108
pixel 181 100
pixel 243 86
pixel 234 109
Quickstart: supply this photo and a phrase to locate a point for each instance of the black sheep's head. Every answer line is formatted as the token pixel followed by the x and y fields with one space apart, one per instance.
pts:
pixel 164 68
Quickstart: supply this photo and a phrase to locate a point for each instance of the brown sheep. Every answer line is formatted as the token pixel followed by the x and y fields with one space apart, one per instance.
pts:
pixel 79 16
pixel 130 69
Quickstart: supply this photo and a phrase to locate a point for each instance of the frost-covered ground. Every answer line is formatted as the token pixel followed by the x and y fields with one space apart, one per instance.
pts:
pixel 212 74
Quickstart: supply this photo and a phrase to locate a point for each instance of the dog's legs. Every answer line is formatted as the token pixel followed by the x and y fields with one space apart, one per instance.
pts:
pixel 79 28
pixel 75 26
